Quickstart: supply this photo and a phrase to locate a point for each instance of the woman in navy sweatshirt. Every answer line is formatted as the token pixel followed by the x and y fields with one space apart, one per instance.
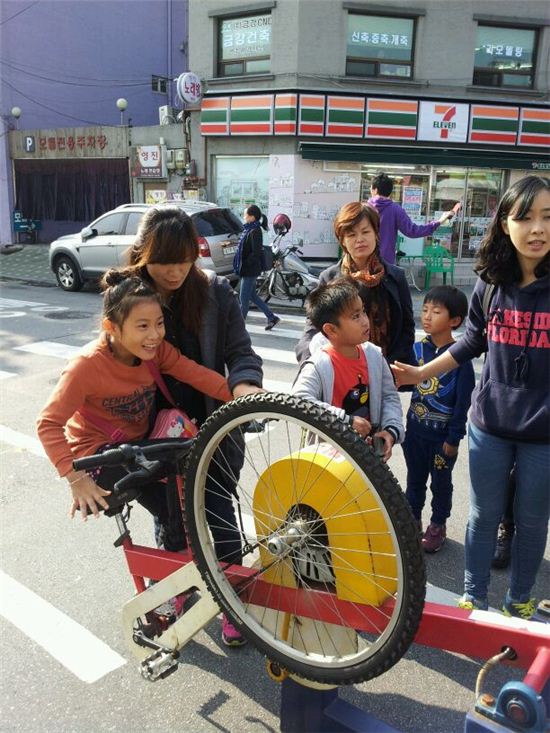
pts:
pixel 510 417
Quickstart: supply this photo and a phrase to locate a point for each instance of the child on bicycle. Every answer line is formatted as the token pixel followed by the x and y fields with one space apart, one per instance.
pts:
pixel 345 373
pixel 111 383
pixel 436 420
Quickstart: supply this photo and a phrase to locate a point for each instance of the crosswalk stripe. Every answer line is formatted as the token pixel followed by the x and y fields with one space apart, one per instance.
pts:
pixel 50 348
pixel 64 639
pixel 279 332
pixel 286 319
pixel 19 440
pixel 282 356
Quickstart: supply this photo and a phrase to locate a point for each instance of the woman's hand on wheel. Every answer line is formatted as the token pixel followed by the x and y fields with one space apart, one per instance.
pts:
pixel 87 495
pixel 243 389
pixel 361 425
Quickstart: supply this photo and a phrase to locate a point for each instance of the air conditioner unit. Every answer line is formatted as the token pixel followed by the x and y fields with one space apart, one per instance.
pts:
pixel 170 160
pixel 167 115
pixel 182 158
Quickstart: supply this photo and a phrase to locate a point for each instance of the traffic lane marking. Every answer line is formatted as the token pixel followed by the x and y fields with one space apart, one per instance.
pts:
pixel 72 645
pixel 19 440
pixel 50 348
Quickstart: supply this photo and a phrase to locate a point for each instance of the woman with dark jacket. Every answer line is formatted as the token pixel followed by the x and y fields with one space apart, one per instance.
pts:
pixel 249 263
pixel 203 320
pixel 382 287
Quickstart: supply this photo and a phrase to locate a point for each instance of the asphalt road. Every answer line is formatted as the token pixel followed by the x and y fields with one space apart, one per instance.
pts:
pixel 65 666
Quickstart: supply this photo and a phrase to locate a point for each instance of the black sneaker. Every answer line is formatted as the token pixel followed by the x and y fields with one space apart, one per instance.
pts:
pixel 272 322
pixel 503 550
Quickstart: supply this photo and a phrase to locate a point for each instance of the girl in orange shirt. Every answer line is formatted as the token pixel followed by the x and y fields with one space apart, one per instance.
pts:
pixel 110 383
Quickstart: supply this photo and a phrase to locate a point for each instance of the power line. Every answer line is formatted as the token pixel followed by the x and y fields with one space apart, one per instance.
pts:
pixel 76 83
pixel 51 109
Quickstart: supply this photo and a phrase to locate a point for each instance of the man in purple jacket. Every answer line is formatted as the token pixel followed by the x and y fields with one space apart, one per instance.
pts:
pixel 393 218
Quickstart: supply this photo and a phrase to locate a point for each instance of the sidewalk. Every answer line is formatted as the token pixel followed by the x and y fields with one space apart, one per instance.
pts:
pixel 31 265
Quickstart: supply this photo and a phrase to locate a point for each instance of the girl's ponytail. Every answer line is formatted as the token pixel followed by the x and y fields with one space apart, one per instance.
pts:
pixel 122 289
pixel 263 222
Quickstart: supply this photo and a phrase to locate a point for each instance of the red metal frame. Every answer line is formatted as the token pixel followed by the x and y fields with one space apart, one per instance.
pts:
pixel 474 634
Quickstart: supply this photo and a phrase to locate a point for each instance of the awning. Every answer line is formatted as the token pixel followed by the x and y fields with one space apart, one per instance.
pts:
pixel 419 155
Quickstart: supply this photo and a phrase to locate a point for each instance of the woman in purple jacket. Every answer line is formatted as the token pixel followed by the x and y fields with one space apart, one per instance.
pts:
pixel 393 218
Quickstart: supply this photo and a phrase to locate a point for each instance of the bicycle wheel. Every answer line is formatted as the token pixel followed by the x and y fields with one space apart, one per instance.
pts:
pixel 331 582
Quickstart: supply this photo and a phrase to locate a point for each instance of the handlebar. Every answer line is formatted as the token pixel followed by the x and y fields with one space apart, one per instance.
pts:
pixel 131 454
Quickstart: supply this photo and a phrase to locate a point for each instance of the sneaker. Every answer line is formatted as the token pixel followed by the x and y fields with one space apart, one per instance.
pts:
pixel 434 537
pixel 176 606
pixel 519 609
pixel 272 322
pixel 503 550
pixel 230 635
pixel 469 603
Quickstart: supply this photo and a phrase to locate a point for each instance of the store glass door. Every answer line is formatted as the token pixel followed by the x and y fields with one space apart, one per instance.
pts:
pixel 448 186
pixel 482 196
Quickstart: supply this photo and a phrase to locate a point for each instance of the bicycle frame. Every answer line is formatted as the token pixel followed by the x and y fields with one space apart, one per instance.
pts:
pixel 478 634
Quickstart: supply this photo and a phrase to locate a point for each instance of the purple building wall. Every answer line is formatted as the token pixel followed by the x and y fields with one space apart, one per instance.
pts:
pixel 66 62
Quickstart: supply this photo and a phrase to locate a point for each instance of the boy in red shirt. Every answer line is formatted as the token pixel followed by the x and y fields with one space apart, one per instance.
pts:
pixel 345 373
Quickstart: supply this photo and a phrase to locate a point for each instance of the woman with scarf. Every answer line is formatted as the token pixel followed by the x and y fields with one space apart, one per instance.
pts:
pixel 249 263
pixel 382 287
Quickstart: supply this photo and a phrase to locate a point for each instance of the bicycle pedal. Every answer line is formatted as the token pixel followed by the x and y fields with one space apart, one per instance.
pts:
pixel 158 665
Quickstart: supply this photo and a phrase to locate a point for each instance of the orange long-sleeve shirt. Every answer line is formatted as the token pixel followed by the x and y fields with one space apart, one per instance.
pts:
pixel 120 394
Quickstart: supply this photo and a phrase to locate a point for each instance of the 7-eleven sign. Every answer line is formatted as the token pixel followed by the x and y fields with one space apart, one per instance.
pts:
pixel 443 122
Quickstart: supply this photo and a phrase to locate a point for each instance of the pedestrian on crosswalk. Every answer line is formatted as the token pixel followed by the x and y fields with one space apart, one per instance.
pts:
pixel 249 263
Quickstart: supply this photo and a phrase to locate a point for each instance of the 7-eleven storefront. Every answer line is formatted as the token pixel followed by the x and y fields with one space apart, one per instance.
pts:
pixel 307 154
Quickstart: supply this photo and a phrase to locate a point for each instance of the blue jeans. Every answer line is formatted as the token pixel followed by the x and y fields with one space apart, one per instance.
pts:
pixel 491 460
pixel 248 293
pixel 426 458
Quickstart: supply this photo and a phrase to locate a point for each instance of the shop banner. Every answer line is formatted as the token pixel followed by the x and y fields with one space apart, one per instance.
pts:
pixel 443 122
pixel 147 162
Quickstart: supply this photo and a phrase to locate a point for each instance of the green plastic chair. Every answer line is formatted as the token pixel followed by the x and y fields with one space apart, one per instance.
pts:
pixel 438 259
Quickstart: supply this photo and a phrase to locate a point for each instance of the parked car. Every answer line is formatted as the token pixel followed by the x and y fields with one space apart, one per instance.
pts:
pixel 76 258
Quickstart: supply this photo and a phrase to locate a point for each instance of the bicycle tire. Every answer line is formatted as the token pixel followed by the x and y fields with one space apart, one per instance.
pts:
pixel 338 654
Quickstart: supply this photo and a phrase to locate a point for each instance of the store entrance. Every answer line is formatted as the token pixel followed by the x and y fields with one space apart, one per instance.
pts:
pixel 425 192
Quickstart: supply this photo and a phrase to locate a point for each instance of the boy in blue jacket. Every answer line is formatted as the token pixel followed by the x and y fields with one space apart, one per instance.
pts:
pixel 436 420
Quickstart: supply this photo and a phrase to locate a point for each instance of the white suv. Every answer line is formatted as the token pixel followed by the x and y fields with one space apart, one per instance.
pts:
pixel 76 258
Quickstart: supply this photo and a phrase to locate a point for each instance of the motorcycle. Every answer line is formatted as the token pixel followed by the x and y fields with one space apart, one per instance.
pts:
pixel 288 277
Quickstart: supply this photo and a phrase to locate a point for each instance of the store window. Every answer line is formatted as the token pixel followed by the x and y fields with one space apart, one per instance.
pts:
pixel 505 57
pixel 241 181
pixel 380 46
pixel 244 45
